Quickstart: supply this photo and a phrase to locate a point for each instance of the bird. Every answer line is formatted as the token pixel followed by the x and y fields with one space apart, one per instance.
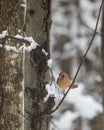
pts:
pixel 64 81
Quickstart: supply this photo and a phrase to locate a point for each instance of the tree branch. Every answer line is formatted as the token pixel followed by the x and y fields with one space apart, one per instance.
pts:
pixel 18 39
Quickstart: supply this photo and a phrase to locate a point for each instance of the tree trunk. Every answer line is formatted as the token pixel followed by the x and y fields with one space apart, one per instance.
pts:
pixel 11 75
pixel 36 69
pixel 102 61
pixel 102 45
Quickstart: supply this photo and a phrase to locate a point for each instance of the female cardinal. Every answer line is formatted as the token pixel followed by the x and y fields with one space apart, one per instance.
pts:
pixel 64 81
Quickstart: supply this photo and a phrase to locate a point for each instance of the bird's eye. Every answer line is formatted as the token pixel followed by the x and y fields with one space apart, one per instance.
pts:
pixel 62 76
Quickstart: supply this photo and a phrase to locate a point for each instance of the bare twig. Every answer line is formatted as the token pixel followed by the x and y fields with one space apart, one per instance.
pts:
pixel 83 58
pixel 18 39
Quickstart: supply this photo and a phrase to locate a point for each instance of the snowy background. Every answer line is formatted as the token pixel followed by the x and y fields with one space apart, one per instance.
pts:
pixel 73 23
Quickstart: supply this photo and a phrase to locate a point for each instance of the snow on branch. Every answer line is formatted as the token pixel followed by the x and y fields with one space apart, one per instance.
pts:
pixel 49 62
pixel 28 43
pixel 4 34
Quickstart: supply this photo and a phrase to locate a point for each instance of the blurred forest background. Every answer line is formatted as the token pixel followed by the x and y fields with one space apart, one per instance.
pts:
pixel 73 23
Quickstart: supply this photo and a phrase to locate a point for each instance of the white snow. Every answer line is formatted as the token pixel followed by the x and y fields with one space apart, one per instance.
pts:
pixel 19 36
pixel 87 7
pixel 52 88
pixel 8 48
pixel 44 51
pixel 50 91
pixel 28 48
pixel 49 63
pixel 23 5
pixel 21 94
pixel 32 45
pixel 65 121
pixel 4 33
pixel 1 45
pixel 86 105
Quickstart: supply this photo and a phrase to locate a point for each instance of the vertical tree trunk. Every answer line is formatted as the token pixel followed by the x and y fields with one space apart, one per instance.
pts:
pixel 37 26
pixel 102 60
pixel 102 45
pixel 11 76
pixel 102 50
